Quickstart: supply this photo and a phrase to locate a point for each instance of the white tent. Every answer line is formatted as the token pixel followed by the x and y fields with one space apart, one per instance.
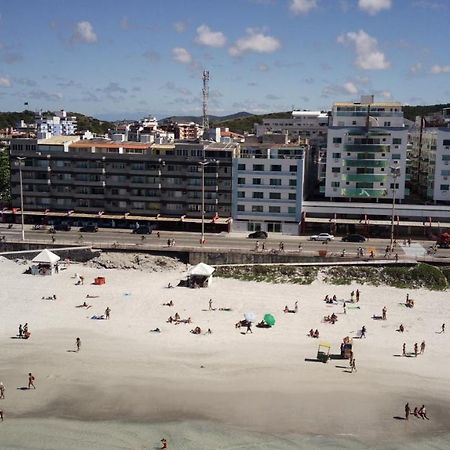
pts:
pixel 45 263
pixel 200 275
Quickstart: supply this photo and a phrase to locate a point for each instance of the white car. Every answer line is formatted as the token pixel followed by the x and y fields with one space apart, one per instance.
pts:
pixel 322 237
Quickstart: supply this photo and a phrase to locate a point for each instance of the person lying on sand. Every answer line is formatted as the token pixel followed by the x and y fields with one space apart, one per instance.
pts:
pixel 156 330
pixel 52 297
pixel 263 324
pixel 92 296
pixel 170 320
pixel 101 317
pixel 188 320
pixel 225 309
pixel 168 304
pixel 176 317
pixel 83 305
pixel 316 334
pixel 196 330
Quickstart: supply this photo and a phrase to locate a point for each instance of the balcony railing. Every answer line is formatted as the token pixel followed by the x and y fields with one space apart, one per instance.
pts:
pixel 367 148
pixel 365 163
pixel 363 192
pixel 365 177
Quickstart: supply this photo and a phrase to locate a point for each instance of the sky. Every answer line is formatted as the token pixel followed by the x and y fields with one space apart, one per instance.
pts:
pixel 116 60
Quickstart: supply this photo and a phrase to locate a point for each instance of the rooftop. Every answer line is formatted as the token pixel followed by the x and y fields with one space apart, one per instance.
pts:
pixel 59 140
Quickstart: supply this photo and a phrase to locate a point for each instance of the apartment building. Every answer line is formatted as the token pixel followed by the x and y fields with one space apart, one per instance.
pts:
pixel 430 164
pixel 268 189
pixel 92 176
pixel 366 151
pixel 58 125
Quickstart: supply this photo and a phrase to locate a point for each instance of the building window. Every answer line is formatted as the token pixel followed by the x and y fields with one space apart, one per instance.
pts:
pixel 387 124
pixel 444 187
pixel 396 141
pixel 275 168
pixel 275 209
pixel 337 140
pixel 241 180
pixel 257 181
pixel 336 170
pixel 337 155
pixel 335 184
pixel 257 208
pixel 292 196
pixel 293 182
pixel 241 194
pixel 258 195
pixel 396 156
pixel 396 186
pixel 275 195
pixel 275 181
pixel 292 168
pixel 292 209
pixel 241 166
pixel 258 167
pixel 446 142
pixel 241 208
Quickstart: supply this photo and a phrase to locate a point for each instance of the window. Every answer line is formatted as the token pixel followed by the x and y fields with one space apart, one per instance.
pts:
pixel 275 195
pixel 444 187
pixel 258 167
pixel 293 182
pixel 335 184
pixel 337 155
pixel 241 194
pixel 292 196
pixel 258 195
pixel 257 208
pixel 275 168
pixel 396 186
pixel 396 156
pixel 292 209
pixel 445 157
pixel 387 124
pixel 257 181
pixel 336 170
pixel 275 209
pixel 396 141
pixel 337 140
pixel 241 180
pixel 275 181
pixel 292 168
pixel 446 142
pixel 241 208
pixel 241 166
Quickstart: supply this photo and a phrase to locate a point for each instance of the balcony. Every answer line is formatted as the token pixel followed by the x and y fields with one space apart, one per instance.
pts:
pixel 365 178
pixel 363 192
pixel 366 148
pixel 365 163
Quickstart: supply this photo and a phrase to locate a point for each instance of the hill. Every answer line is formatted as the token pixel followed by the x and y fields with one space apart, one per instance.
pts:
pixel 199 119
pixel 410 112
pixel 11 119
pixel 246 124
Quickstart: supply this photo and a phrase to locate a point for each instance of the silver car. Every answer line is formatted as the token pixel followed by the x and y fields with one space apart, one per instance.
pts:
pixel 322 237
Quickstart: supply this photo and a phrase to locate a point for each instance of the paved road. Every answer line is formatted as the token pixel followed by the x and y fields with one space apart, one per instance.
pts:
pixel 213 241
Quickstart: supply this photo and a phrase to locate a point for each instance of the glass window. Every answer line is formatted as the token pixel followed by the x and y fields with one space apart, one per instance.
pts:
pixel 293 182
pixel 292 196
pixel 241 180
pixel 444 187
pixel 337 140
pixel 257 208
pixel 396 141
pixel 446 142
pixel 258 167
pixel 292 168
pixel 274 209
pixel 257 181
pixel 335 184
pixel 258 195
pixel 336 155
pixel 275 195
pixel 275 181
pixel 396 156
pixel 275 168
pixel 241 166
pixel 241 208
pixel 335 169
pixel 292 209
pixel 241 194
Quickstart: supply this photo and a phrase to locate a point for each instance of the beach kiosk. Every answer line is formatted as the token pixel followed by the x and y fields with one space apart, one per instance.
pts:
pixel 200 275
pixel 323 352
pixel 45 263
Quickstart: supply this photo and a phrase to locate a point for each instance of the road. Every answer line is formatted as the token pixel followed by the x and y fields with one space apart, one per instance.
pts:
pixel 213 241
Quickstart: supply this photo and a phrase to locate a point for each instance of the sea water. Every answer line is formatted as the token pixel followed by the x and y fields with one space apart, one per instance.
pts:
pixel 57 434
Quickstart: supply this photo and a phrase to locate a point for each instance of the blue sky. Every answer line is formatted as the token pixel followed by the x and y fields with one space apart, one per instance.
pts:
pixel 140 57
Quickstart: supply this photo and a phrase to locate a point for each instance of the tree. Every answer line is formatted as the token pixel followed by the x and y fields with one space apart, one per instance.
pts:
pixel 5 183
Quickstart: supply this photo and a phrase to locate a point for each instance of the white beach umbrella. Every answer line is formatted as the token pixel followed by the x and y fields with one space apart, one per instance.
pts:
pixel 250 316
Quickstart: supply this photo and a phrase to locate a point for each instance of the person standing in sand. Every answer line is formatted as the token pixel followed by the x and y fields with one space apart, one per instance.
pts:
pixel 404 349
pixel 1 415
pixel 249 328
pixel 357 295
pixel 422 348
pixel 210 304
pixel 2 391
pixel 31 381
pixel 443 328
pixel 416 349
pixel 353 365
pixel 407 411
pixel 107 313
pixel 384 313
pixel 78 344
pixel 20 331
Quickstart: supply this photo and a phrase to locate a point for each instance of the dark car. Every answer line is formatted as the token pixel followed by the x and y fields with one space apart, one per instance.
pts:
pixel 142 230
pixel 258 235
pixel 354 238
pixel 62 227
pixel 89 229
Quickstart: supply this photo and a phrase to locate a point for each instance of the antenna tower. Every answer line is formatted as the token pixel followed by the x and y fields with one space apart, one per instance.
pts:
pixel 205 92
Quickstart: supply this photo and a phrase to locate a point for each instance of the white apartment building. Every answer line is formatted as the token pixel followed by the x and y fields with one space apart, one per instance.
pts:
pixel 268 189
pixel 58 125
pixel 366 151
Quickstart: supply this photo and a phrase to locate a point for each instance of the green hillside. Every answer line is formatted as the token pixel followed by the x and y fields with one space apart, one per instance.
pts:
pixel 410 112
pixel 246 124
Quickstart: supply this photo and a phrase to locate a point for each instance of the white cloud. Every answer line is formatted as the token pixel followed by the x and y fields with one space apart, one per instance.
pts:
pixel 182 55
pixel 415 69
pixel 180 27
pixel 368 56
pixel 255 41
pixel 374 6
pixel 302 6
pixel 437 69
pixel 205 36
pixel 5 82
pixel 84 33
pixel 263 68
pixel 350 88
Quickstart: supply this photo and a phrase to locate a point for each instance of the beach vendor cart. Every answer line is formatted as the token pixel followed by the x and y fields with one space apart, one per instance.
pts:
pixel 200 275
pixel 46 263
pixel 323 352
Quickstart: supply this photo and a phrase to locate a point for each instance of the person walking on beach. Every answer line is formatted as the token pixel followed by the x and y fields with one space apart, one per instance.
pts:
pixel 416 349
pixel 20 331
pixel 2 390
pixel 1 415
pixel 407 411
pixel 164 444
pixel 107 313
pixel 404 349
pixel 422 348
pixel 353 365
pixel 78 344
pixel 249 328
pixel 31 381
pixel 352 296
pixel 357 295
pixel 363 332
pixel 443 328
pixel 423 412
pixel 396 257
pixel 210 304
pixel 296 307
pixel 384 313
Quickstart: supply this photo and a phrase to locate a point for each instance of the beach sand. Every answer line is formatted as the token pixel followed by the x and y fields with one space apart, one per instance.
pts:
pixel 128 387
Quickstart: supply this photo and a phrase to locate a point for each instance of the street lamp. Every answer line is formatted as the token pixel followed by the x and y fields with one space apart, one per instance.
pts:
pixel 20 159
pixel 395 172
pixel 202 165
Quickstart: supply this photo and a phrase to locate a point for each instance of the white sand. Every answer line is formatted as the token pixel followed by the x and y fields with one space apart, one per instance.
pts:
pixel 257 382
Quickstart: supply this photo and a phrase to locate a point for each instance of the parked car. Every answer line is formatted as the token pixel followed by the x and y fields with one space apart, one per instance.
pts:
pixel 142 230
pixel 62 227
pixel 89 229
pixel 322 237
pixel 258 235
pixel 354 238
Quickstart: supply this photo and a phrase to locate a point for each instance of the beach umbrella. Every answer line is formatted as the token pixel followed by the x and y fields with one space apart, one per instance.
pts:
pixel 250 317
pixel 269 319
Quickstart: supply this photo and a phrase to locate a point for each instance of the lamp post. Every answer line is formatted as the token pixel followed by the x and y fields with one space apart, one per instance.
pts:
pixel 395 172
pixel 203 164
pixel 20 159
